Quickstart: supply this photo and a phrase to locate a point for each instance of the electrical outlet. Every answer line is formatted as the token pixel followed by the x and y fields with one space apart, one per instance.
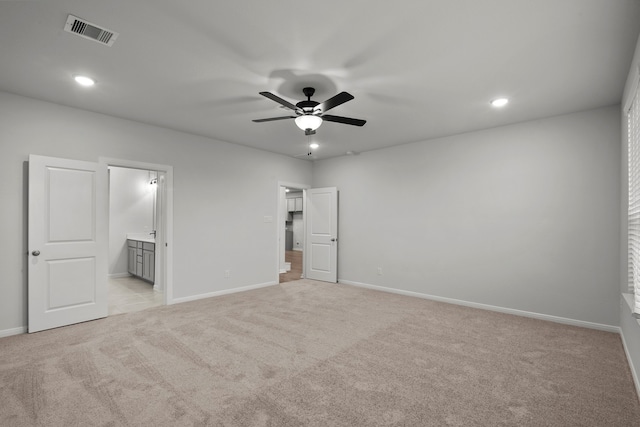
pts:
pixel 227 273
pixel 379 271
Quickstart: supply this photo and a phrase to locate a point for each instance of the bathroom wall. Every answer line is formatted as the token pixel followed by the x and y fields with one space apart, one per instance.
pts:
pixel 131 200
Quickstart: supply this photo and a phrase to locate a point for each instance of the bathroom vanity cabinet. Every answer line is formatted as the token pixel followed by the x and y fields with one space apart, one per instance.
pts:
pixel 142 259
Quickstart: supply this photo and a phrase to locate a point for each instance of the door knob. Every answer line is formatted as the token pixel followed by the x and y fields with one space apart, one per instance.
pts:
pixel 35 253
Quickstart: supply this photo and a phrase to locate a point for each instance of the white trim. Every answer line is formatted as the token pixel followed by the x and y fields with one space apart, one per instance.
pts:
pixel 13 331
pixel 118 275
pixel 550 318
pixel 629 299
pixel 633 90
pixel 168 171
pixel 634 374
pixel 223 292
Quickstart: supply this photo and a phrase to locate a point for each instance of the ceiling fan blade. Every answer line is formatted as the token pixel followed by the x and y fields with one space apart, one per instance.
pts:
pixel 279 100
pixel 273 118
pixel 330 103
pixel 345 120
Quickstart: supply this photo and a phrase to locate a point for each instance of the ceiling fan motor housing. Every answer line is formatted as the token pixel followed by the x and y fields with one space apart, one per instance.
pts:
pixel 310 114
pixel 307 106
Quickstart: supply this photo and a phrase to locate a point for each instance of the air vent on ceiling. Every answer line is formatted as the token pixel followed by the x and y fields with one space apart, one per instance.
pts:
pixel 90 31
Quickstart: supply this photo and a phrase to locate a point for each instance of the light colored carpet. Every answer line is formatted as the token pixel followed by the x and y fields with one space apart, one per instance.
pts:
pixel 318 354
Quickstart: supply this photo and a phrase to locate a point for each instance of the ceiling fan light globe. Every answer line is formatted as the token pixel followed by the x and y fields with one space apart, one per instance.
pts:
pixel 307 121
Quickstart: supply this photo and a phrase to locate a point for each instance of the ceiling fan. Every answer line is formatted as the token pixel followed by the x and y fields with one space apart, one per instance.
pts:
pixel 310 114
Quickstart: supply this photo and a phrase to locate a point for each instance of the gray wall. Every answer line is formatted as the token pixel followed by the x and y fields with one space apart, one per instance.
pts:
pixel 524 217
pixel 630 327
pixel 221 194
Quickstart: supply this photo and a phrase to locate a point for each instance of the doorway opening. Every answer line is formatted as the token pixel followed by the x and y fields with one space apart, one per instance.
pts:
pixel 318 220
pixel 293 235
pixel 133 219
pixel 291 238
pixel 140 227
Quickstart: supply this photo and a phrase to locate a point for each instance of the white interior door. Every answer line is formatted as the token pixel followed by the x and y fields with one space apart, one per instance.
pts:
pixel 68 242
pixel 321 252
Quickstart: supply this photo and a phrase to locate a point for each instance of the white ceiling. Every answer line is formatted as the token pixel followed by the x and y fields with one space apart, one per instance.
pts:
pixel 418 69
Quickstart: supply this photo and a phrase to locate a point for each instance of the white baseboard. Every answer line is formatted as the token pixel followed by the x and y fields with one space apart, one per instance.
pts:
pixel 13 331
pixel 118 275
pixel 634 373
pixel 556 319
pixel 219 293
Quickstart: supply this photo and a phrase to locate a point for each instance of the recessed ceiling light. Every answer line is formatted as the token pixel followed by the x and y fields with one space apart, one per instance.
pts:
pixel 84 80
pixel 499 102
pixel 313 145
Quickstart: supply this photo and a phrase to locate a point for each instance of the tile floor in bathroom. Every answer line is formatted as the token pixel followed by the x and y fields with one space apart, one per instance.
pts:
pixel 128 294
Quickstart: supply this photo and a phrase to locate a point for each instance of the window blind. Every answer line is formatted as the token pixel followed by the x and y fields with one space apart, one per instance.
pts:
pixel 633 120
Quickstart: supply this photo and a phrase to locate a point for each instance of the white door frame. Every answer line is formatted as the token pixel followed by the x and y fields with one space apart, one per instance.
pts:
pixel 167 189
pixel 282 212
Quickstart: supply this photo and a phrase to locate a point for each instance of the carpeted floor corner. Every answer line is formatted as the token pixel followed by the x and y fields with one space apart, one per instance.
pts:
pixel 307 353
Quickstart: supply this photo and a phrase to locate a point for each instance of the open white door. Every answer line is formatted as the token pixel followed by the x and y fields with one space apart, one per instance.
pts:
pixel 321 252
pixel 68 242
